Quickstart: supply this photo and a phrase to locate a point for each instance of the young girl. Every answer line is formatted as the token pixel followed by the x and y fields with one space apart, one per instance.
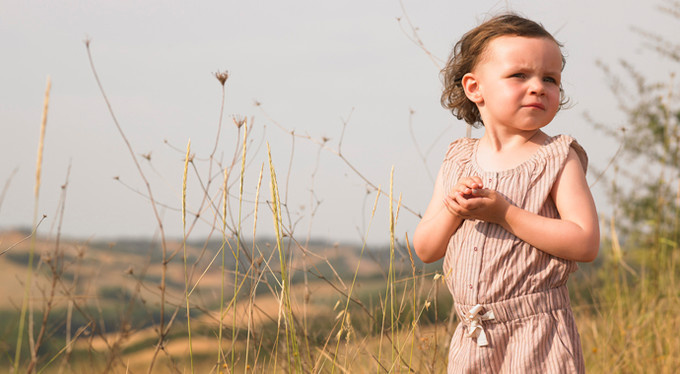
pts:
pixel 511 212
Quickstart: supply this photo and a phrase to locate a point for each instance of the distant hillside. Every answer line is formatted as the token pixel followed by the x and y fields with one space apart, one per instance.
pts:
pixel 99 265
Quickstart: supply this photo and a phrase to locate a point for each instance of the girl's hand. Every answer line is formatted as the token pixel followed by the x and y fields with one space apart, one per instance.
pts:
pixel 480 203
pixel 434 231
pixel 466 185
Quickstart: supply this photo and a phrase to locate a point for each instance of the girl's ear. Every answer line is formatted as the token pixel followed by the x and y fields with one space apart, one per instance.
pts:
pixel 471 87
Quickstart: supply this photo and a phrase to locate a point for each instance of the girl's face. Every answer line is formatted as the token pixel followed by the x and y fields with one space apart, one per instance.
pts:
pixel 516 83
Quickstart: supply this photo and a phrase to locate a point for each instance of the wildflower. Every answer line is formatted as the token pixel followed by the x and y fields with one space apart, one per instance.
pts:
pixel 222 76
pixel 239 121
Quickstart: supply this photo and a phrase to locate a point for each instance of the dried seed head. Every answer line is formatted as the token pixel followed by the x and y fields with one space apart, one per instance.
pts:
pixel 239 121
pixel 222 76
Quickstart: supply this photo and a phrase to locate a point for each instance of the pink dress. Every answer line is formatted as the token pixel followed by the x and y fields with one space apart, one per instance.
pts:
pixel 511 298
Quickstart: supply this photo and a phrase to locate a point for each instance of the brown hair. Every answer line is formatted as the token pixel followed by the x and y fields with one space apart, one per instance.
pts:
pixel 466 54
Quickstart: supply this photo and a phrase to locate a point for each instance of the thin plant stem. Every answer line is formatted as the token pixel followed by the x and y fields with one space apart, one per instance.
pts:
pixel 56 268
pixel 337 152
pixel 390 279
pixel 415 321
pixel 7 183
pixel 66 348
pixel 238 240
pixel 36 194
pixel 251 297
pixel 356 272
pixel 184 247
pixel 162 329
pixel 35 229
pixel 225 187
pixel 291 336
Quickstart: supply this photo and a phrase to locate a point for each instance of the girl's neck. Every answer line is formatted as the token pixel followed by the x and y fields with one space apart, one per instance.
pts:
pixel 502 151
pixel 500 141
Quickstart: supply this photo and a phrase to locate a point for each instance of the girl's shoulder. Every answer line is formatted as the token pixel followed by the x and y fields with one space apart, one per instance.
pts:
pixel 559 147
pixel 460 149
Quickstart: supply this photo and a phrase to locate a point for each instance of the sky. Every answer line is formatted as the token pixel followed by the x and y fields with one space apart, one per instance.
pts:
pixel 348 71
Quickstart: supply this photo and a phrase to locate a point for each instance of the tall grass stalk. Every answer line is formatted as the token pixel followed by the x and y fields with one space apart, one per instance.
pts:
pixel 164 326
pixel 390 278
pixel 289 323
pixel 6 187
pixel 345 311
pixel 389 291
pixel 66 348
pixel 54 262
pixel 184 247
pixel 225 195
pixel 414 323
pixel 238 239
pixel 251 295
pixel 36 196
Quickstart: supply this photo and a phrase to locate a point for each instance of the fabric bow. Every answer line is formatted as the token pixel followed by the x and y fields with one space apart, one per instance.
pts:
pixel 475 327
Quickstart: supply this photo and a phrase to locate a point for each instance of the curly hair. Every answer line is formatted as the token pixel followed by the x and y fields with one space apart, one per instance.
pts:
pixel 466 54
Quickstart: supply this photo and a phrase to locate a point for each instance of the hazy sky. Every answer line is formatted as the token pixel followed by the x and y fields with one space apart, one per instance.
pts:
pixel 312 65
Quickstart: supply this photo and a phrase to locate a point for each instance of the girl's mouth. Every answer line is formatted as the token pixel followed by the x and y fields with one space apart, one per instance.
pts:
pixel 535 105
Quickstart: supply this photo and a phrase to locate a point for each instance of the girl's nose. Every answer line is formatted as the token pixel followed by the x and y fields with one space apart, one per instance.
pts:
pixel 536 87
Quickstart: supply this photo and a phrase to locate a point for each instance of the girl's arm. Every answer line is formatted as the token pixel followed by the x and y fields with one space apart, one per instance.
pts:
pixel 439 223
pixel 573 236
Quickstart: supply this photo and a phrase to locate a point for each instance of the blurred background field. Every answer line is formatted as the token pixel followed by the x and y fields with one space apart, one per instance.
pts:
pixel 241 267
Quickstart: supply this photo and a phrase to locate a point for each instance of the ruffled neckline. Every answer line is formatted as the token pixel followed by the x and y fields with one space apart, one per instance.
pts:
pixel 524 165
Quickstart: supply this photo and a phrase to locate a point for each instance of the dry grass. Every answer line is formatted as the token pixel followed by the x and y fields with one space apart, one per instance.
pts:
pixel 236 303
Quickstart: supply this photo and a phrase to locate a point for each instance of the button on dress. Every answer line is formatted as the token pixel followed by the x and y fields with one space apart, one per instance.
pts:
pixel 511 297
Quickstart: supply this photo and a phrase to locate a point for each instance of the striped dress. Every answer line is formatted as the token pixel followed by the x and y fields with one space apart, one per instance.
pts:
pixel 511 298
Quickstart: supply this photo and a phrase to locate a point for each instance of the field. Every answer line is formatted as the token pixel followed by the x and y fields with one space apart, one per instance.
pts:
pixel 105 315
pixel 237 301
pixel 112 289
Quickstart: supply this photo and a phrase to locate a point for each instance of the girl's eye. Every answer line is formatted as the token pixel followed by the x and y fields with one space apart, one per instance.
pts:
pixel 519 75
pixel 550 80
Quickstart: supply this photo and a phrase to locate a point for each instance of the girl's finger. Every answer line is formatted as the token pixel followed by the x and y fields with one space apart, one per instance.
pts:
pixel 478 181
pixel 480 192
pixel 462 202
